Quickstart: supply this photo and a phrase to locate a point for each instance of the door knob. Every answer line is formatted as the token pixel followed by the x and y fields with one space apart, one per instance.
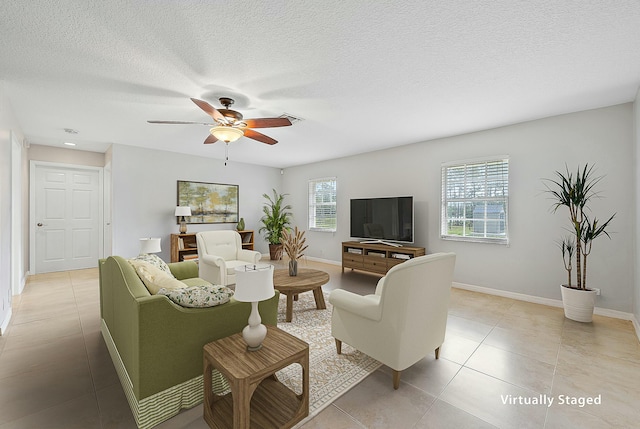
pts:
pixel 39 224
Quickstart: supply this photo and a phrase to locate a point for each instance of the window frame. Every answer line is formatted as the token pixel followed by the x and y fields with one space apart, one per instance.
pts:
pixel 466 199
pixel 312 204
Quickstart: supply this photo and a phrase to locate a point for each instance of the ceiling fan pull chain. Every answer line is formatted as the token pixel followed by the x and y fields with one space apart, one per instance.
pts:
pixel 226 153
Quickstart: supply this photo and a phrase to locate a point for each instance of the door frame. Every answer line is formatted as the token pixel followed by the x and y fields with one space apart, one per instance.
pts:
pixel 33 165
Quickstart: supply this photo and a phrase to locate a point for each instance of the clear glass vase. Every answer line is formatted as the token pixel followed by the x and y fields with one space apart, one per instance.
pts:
pixel 293 267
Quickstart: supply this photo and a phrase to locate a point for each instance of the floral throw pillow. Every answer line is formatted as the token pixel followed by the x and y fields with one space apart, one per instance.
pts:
pixel 155 261
pixel 198 296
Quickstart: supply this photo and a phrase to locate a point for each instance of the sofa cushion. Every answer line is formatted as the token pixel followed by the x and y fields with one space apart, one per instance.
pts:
pixel 196 281
pixel 155 261
pixel 154 278
pixel 198 296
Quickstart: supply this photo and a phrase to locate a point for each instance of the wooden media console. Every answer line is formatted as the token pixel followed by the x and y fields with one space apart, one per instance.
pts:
pixel 376 257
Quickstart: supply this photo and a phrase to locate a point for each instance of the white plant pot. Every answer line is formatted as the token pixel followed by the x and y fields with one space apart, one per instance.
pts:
pixel 578 304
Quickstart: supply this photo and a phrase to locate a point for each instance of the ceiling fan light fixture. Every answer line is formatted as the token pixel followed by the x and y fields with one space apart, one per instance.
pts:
pixel 226 134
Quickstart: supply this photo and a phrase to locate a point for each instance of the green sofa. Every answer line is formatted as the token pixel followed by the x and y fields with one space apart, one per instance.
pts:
pixel 156 345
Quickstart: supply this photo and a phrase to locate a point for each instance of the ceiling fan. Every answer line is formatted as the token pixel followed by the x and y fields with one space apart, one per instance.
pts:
pixel 230 125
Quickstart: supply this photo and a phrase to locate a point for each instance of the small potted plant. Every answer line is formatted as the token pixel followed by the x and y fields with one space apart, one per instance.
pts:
pixel 294 246
pixel 575 192
pixel 276 219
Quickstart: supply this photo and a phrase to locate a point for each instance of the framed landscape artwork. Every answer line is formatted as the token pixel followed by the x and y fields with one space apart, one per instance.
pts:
pixel 209 202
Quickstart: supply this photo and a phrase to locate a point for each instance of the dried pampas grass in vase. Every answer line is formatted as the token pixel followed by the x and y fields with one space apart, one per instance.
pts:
pixel 294 246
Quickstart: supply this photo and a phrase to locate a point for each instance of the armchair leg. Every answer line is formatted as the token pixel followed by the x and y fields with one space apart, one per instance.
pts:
pixel 438 353
pixel 338 346
pixel 396 379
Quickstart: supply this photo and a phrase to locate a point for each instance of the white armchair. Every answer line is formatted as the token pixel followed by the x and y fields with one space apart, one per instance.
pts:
pixel 219 253
pixel 404 320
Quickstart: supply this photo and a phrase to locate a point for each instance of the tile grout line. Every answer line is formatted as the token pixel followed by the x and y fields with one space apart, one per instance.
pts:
pixel 86 351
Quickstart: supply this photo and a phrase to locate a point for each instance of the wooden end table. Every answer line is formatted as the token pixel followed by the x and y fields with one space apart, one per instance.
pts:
pixel 257 398
pixel 306 280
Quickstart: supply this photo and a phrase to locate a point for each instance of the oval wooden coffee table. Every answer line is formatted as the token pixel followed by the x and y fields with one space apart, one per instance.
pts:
pixel 306 280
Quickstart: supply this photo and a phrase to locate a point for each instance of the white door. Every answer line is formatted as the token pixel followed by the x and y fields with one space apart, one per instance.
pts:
pixel 67 217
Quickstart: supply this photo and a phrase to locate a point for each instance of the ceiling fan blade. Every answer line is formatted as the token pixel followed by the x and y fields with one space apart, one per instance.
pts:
pixel 252 134
pixel 210 139
pixel 210 110
pixel 181 122
pixel 267 122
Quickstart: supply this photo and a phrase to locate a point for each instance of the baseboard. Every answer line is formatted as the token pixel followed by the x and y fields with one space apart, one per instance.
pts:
pixel 613 313
pixel 311 258
pixel 545 301
pixel 521 297
pixel 324 261
pixel 23 282
pixel 636 325
pixel 5 323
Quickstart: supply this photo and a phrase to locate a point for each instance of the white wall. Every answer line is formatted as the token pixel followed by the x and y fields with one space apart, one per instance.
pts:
pixel 636 286
pixel 63 155
pixel 8 124
pixel 144 189
pixel 531 264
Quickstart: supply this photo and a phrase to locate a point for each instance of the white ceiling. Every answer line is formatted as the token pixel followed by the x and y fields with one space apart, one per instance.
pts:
pixel 364 75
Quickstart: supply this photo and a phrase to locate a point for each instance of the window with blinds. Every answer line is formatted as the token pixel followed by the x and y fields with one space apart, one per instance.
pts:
pixel 322 204
pixel 475 198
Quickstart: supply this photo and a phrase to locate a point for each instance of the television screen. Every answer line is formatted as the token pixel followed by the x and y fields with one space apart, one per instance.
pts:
pixel 386 219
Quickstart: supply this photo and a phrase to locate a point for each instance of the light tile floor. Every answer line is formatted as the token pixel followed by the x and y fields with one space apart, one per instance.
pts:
pixel 55 371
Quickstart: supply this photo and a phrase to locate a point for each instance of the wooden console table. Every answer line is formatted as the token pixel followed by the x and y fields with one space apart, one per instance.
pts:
pixel 257 398
pixel 375 257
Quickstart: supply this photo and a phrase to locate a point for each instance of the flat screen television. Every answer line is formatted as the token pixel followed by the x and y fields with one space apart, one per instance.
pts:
pixel 382 219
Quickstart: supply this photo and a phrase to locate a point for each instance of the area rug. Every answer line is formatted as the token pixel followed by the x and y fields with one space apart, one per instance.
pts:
pixel 330 374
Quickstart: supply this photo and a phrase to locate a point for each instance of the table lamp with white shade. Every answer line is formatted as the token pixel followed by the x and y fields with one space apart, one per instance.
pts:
pixel 183 211
pixel 254 283
pixel 149 245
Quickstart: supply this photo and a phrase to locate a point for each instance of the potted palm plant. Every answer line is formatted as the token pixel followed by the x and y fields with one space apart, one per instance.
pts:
pixel 575 191
pixel 276 219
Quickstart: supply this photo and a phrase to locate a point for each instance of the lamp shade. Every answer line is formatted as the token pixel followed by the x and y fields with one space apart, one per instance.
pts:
pixel 226 133
pixel 150 245
pixel 183 211
pixel 254 283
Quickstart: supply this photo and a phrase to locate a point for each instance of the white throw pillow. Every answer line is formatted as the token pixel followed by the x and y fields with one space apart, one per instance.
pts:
pixel 154 278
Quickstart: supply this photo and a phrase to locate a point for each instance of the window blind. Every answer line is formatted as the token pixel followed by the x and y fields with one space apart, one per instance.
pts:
pixel 475 201
pixel 322 204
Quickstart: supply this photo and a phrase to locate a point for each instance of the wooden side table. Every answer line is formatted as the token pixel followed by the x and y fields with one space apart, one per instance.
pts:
pixel 257 398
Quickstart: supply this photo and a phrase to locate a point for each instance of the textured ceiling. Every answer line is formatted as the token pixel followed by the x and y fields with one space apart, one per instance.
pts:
pixel 364 75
